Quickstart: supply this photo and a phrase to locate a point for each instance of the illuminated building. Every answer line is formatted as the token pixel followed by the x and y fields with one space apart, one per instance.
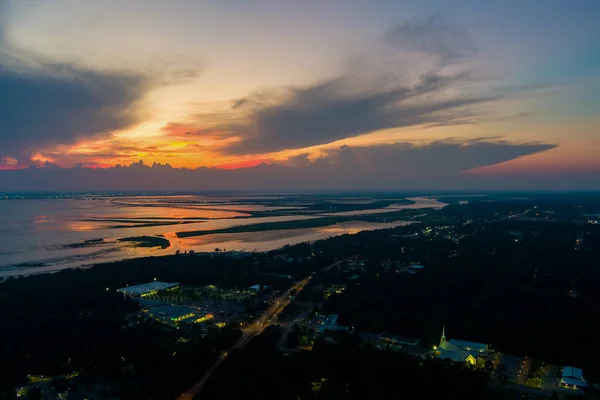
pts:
pixel 172 313
pixel 472 347
pixel 459 350
pixel 148 289
pixel 572 378
pixel 334 289
pixel 204 318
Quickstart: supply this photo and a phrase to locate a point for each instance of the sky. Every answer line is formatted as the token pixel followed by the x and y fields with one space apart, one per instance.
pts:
pixel 267 94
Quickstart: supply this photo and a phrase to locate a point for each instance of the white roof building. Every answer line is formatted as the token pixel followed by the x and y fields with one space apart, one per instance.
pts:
pixel 447 350
pixel 573 378
pixel 459 350
pixel 147 289
pixel 470 346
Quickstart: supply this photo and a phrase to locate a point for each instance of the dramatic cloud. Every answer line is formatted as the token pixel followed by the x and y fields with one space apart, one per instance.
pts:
pixel 423 76
pixel 44 103
pixel 328 112
pixel 401 166
pixel 60 105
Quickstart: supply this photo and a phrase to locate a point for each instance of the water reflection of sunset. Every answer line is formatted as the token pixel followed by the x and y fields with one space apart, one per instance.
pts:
pixel 72 232
pixel 172 212
pixel 81 226
pixel 41 219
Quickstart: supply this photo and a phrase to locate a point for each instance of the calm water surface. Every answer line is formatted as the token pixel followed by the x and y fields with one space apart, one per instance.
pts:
pixel 35 234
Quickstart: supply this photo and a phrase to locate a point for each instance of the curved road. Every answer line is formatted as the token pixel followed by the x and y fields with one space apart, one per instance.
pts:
pixel 254 329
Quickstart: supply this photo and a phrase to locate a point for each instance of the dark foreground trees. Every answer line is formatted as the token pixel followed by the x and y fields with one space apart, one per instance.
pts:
pixel 342 369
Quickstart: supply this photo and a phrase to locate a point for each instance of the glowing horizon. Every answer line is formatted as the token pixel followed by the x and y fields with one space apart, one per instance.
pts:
pixel 228 86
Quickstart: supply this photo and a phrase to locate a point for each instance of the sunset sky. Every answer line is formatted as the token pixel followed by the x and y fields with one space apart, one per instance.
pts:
pixel 233 84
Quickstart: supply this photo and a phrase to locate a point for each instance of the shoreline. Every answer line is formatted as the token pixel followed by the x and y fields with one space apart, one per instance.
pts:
pixel 16 272
pixel 254 234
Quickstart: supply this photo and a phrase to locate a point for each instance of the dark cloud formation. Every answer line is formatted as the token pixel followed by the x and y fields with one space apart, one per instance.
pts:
pixel 367 97
pixel 62 104
pixel 44 102
pixel 401 166
pixel 326 112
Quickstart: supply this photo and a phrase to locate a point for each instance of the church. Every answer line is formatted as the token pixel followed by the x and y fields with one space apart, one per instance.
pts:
pixel 460 350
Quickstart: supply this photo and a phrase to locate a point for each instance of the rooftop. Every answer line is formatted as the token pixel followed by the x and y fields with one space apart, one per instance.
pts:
pixel 144 288
pixel 331 319
pixel 572 372
pixel 172 312
pixel 466 345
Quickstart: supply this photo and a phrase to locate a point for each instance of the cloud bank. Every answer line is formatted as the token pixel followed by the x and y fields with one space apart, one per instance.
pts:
pixel 402 166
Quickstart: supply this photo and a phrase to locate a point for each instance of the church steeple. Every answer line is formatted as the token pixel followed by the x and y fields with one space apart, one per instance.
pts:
pixel 443 339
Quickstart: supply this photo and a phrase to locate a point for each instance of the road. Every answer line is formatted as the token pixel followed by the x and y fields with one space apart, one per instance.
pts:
pixel 254 329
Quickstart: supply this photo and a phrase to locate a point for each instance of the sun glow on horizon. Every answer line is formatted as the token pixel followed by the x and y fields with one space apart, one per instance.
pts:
pixel 102 84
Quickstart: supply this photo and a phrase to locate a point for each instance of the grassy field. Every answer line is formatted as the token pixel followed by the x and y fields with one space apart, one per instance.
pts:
pixel 300 224
pixel 147 241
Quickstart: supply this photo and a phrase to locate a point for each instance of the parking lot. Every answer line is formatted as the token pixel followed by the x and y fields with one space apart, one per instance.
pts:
pixel 550 380
pixel 514 367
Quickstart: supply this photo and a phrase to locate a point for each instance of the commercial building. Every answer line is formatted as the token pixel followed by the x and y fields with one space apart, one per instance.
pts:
pixel 172 313
pixel 148 289
pixel 203 317
pixel 572 378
